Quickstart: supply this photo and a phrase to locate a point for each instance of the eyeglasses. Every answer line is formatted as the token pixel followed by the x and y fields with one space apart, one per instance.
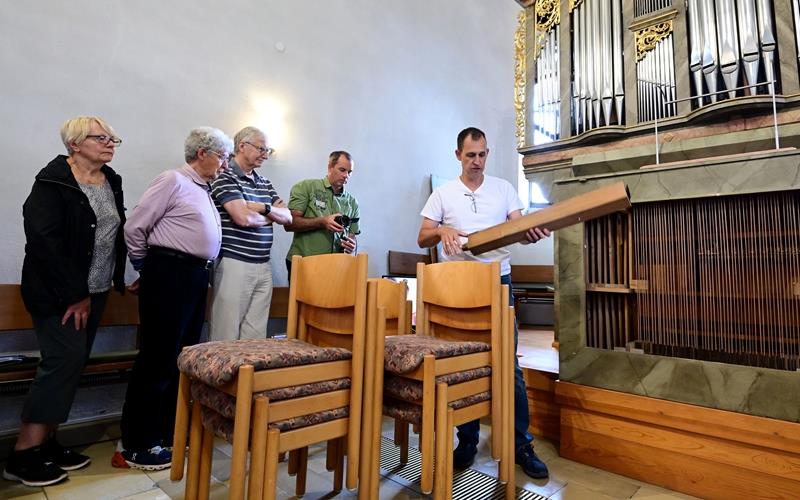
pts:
pixel 222 158
pixel 261 151
pixel 106 139
pixel 471 197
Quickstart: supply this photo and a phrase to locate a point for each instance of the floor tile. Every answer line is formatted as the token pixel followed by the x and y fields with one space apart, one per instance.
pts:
pixel 602 482
pixel 578 492
pixel 154 494
pixel 9 489
pixel 650 492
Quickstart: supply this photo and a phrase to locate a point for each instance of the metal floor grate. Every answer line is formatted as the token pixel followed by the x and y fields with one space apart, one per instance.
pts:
pixel 467 484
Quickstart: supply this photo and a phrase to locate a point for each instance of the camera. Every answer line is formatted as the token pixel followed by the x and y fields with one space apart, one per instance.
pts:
pixel 345 221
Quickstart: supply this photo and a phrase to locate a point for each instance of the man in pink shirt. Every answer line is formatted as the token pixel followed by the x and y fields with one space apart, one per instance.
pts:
pixel 173 236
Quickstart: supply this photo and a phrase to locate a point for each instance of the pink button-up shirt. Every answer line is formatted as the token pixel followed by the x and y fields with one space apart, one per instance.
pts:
pixel 176 211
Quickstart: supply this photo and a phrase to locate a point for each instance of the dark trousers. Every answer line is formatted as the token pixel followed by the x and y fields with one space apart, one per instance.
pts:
pixel 64 353
pixel 172 308
pixel 469 432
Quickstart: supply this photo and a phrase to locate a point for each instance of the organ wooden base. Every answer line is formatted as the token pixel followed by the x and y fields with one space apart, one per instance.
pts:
pixel 699 451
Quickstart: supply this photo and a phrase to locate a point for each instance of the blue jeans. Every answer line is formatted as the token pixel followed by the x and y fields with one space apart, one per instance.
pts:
pixel 469 432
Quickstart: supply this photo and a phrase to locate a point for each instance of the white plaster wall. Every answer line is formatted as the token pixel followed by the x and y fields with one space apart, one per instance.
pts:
pixel 392 82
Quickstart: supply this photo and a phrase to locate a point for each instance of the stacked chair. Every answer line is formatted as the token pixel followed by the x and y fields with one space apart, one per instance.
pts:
pixel 457 368
pixel 277 395
pixel 388 313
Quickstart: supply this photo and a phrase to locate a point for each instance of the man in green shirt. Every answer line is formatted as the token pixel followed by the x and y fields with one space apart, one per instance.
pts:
pixel 324 215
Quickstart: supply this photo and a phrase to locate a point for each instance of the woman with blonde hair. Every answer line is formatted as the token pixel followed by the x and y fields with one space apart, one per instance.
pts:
pixel 74 252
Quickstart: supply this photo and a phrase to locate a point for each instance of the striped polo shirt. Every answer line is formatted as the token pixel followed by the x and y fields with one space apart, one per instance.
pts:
pixel 248 244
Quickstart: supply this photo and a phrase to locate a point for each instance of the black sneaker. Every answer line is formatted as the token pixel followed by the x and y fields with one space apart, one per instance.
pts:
pixel 464 455
pixel 530 463
pixel 155 458
pixel 31 467
pixel 64 457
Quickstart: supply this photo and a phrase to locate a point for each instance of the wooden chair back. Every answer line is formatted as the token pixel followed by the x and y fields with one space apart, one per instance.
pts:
pixel 327 300
pixel 391 295
pixel 459 301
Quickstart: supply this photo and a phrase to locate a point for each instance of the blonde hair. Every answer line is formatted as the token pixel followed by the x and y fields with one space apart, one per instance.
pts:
pixel 76 129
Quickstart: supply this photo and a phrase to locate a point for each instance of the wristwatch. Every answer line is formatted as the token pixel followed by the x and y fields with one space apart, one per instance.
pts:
pixel 267 208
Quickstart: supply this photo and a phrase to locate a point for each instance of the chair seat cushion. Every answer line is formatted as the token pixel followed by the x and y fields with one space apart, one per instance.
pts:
pixel 225 404
pixel 223 427
pixel 404 353
pixel 406 389
pixel 217 363
pixel 409 412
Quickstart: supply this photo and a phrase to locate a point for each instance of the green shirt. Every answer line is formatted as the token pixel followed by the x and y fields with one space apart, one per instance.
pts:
pixel 315 198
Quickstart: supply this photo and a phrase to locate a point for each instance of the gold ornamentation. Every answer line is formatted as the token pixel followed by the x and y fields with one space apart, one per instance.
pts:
pixel 648 38
pixel 573 4
pixel 519 77
pixel 547 15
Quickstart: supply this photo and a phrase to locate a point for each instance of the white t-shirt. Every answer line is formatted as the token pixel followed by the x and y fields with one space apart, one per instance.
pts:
pixel 452 205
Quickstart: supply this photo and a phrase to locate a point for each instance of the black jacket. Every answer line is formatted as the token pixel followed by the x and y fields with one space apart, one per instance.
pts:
pixel 59 240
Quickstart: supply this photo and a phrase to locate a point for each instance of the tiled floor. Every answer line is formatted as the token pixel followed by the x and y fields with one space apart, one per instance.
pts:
pixel 568 480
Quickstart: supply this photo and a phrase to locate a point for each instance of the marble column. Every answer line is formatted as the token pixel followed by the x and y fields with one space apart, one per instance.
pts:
pixel 565 70
pixel 787 47
pixel 680 54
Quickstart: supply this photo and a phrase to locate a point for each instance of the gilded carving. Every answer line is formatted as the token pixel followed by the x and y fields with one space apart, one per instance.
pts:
pixel 647 38
pixel 547 15
pixel 519 78
pixel 573 4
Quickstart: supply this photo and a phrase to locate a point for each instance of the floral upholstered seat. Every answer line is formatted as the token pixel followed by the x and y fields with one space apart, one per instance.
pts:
pixel 225 404
pixel 222 427
pixel 399 387
pixel 410 412
pixel 217 363
pixel 404 353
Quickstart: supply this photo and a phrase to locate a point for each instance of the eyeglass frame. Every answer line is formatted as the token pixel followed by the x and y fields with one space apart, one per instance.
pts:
pixel 223 159
pixel 471 197
pixel 267 151
pixel 105 139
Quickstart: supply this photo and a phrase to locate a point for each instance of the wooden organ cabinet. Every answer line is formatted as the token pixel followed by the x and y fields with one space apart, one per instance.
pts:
pixel 679 320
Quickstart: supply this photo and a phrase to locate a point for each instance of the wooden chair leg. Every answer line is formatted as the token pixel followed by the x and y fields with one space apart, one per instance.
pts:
pixel 365 462
pixel 377 416
pixel 428 412
pixel 291 465
pixel 302 470
pixel 500 420
pixel 206 456
pixel 258 448
pixel 331 454
pixel 182 412
pixel 398 430
pixel 440 477
pixel 271 464
pixel 401 439
pixel 195 450
pixel 509 415
pixel 241 432
pixel 448 456
pixel 338 470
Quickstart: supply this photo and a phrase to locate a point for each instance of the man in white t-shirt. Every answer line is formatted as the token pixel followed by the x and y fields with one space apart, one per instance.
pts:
pixel 472 202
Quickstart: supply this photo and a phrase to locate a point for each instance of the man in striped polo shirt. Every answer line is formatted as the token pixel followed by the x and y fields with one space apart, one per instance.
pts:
pixel 248 205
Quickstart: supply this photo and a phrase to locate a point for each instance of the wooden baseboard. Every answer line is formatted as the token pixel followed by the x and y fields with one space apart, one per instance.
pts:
pixel 699 451
pixel 542 407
